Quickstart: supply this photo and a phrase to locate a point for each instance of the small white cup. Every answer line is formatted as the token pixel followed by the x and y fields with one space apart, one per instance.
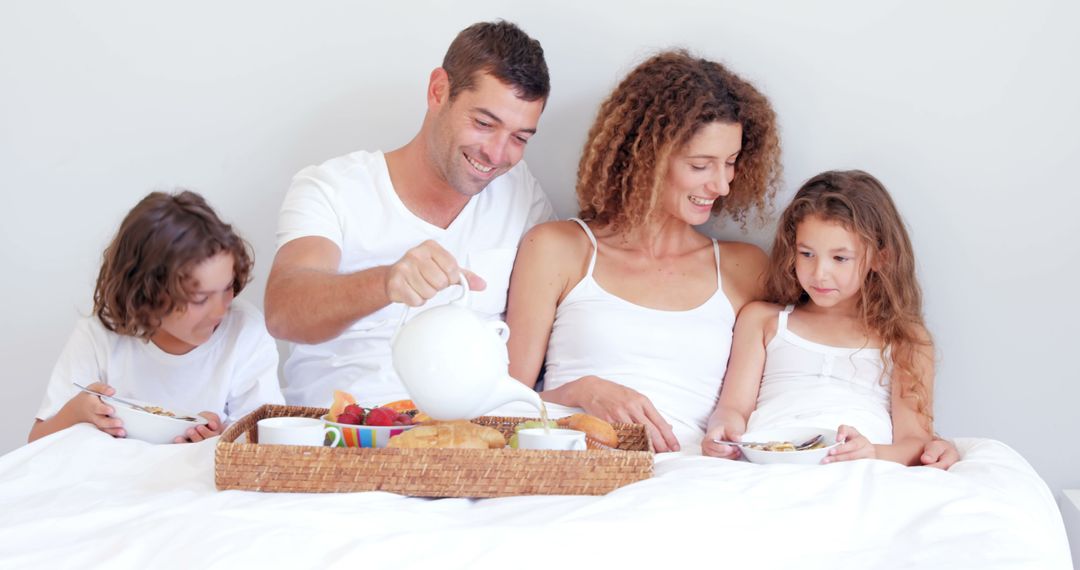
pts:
pixel 558 439
pixel 295 431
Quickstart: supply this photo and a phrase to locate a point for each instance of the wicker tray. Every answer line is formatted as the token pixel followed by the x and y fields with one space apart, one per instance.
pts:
pixel 425 472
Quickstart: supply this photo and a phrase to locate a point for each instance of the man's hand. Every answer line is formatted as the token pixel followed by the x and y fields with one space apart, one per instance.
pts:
pixel 424 271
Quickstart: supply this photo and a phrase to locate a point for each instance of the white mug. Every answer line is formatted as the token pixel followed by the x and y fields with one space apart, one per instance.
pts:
pixel 295 431
pixel 558 439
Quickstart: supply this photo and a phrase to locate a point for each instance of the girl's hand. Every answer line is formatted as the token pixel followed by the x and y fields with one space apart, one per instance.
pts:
pixel 853 445
pixel 201 432
pixel 940 454
pixel 90 409
pixel 728 431
pixel 614 402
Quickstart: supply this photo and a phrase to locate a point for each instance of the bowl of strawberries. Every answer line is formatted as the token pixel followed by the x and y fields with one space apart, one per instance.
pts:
pixel 369 427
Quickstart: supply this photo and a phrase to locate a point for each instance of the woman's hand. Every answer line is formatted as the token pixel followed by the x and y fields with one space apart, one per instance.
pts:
pixel 201 432
pixel 726 431
pixel 854 445
pixel 90 409
pixel 940 454
pixel 614 402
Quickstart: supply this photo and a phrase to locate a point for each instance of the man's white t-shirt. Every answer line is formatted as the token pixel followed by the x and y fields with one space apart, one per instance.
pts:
pixel 231 374
pixel 350 201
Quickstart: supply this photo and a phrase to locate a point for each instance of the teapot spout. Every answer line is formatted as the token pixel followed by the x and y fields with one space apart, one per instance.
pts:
pixel 510 390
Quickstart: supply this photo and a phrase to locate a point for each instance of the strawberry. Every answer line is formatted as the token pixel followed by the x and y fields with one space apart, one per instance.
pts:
pixel 380 417
pixel 403 420
pixel 346 418
pixel 355 410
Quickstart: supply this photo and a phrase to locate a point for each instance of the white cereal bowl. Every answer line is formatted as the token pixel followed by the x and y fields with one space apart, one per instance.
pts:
pixel 795 435
pixel 152 428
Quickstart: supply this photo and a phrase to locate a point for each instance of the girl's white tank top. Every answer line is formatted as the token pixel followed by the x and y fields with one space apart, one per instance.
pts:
pixel 810 384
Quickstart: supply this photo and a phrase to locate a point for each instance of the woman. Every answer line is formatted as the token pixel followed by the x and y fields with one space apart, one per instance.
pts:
pixel 632 306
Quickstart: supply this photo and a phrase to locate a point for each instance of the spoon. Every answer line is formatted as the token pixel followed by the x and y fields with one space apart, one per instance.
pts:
pixel 129 404
pixel 802 446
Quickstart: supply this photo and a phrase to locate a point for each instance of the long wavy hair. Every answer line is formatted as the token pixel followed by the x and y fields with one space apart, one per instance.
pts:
pixel 146 270
pixel 890 300
pixel 654 112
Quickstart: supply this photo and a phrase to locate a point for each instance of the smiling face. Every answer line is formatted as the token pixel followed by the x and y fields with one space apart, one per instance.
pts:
pixel 211 295
pixel 481 133
pixel 701 172
pixel 830 262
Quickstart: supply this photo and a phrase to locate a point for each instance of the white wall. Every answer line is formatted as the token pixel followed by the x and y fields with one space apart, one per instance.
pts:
pixel 967 111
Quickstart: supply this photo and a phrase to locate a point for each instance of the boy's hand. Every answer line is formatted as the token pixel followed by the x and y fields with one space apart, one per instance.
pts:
pixel 940 454
pixel 724 432
pixel 201 432
pixel 90 409
pixel 853 445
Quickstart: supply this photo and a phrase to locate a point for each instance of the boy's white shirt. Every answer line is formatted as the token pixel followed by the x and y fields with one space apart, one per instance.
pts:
pixel 231 374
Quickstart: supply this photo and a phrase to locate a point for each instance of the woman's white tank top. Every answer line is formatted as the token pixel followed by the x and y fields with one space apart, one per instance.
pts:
pixel 810 384
pixel 675 358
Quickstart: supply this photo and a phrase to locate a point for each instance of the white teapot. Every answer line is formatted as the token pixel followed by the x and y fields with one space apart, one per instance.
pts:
pixel 454 364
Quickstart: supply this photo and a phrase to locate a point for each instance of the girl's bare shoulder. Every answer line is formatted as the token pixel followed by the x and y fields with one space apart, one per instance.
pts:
pixel 760 311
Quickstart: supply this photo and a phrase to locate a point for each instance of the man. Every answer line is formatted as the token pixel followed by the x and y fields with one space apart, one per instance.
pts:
pixel 363 235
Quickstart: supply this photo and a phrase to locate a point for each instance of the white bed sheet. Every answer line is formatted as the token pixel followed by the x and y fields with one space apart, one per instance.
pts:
pixel 79 498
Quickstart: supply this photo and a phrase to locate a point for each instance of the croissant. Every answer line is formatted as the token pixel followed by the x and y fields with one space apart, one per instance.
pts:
pixel 458 434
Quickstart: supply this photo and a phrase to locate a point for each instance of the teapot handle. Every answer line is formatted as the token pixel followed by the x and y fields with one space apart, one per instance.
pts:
pixel 461 300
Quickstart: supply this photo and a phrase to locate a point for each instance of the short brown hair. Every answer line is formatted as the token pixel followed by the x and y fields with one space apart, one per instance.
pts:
pixel 656 110
pixel 145 273
pixel 502 50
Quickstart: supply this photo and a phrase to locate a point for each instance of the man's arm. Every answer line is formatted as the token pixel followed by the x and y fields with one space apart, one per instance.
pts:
pixel 308 301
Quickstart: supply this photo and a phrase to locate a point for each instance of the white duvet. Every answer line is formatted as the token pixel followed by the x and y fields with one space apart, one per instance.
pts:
pixel 81 499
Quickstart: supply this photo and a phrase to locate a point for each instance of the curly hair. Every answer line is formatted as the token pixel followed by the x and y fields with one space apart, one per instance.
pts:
pixel 655 111
pixel 146 271
pixel 890 300
pixel 503 50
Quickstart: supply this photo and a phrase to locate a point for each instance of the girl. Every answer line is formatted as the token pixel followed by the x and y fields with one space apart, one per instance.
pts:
pixel 165 328
pixel 631 305
pixel 845 340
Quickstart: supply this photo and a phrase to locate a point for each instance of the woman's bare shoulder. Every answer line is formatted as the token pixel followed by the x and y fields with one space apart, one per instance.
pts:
pixel 742 255
pixel 561 232
pixel 742 270
pixel 558 242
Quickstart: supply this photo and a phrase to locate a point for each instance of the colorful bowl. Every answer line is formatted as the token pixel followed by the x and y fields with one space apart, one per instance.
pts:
pixel 364 436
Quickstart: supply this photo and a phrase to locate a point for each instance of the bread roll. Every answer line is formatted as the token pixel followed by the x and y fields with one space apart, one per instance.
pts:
pixel 593 426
